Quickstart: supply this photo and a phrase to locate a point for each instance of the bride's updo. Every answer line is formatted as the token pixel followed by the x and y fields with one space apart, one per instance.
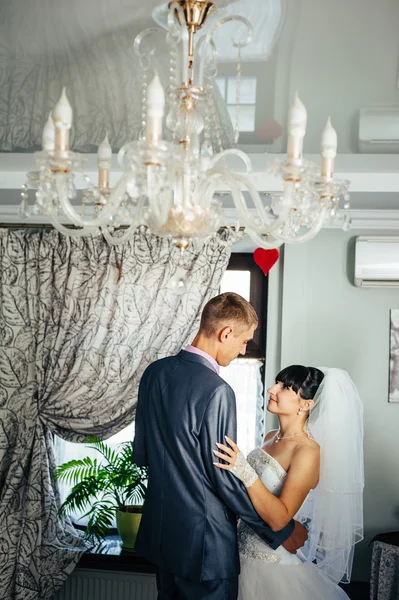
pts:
pixel 305 380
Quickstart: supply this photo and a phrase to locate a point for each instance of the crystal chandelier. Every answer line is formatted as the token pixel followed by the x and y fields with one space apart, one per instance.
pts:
pixel 173 186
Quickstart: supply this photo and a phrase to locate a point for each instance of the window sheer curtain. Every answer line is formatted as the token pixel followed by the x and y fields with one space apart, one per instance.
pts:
pixel 79 322
pixel 245 377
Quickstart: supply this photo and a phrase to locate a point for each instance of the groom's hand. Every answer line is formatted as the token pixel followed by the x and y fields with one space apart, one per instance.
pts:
pixel 297 538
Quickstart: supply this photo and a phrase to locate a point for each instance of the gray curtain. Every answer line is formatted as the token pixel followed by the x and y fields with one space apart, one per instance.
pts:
pixel 384 584
pixel 79 322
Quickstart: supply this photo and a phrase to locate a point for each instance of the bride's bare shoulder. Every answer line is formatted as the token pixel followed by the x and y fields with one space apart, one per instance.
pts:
pixel 269 435
pixel 312 443
pixel 307 444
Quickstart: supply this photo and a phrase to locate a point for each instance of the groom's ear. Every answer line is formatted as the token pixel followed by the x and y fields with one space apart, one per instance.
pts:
pixel 225 334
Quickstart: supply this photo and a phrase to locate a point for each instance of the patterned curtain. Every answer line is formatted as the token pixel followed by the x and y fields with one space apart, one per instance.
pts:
pixel 79 322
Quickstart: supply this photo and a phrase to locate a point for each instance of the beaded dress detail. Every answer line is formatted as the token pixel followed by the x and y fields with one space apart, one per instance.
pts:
pixel 272 475
pixel 268 574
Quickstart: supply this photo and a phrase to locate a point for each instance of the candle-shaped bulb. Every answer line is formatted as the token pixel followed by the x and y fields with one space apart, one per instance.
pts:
pixel 155 110
pixel 297 118
pixel 48 135
pixel 104 162
pixel 156 95
pixel 328 151
pixel 104 154
pixel 62 113
pixel 296 130
pixel 329 141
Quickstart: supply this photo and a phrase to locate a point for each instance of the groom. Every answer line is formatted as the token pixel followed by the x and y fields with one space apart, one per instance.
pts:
pixel 188 527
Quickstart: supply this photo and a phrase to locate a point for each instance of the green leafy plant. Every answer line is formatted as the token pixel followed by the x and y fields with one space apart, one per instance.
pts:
pixel 106 486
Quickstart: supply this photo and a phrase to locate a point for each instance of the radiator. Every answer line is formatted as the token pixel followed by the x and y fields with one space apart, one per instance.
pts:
pixel 91 584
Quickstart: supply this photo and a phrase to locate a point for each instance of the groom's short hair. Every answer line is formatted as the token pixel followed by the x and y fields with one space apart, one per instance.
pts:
pixel 227 309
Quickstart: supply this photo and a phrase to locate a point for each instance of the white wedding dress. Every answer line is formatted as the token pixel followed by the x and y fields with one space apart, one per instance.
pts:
pixel 268 574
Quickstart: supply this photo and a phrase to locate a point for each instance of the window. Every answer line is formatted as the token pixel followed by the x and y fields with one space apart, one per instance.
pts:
pixel 247 106
pixel 258 109
pixel 244 277
pixel 245 374
pixel 66 451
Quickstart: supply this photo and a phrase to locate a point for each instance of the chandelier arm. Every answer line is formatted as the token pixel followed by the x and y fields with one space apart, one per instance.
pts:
pixel 121 155
pixel 174 29
pixel 265 221
pixel 232 152
pixel 70 232
pixel 207 187
pixel 213 60
pixel 115 240
pixel 230 18
pixel 261 241
pixel 233 179
pixel 224 176
pixel 206 40
pixel 145 57
pixel 106 212
pixel 241 205
pixel 180 35
pixel 140 209
pixel 305 237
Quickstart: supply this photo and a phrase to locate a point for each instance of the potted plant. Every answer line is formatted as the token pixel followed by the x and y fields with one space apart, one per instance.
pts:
pixel 112 487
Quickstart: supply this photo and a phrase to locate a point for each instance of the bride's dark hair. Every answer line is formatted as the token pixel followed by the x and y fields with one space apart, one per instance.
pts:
pixel 305 380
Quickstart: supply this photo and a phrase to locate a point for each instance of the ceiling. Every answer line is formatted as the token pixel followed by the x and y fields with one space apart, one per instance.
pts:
pixel 339 55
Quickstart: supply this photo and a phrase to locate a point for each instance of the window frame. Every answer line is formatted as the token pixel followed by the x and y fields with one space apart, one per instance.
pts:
pixel 265 106
pixel 258 294
pixel 223 83
pixel 109 555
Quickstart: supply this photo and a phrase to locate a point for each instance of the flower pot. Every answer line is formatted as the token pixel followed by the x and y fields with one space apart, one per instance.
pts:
pixel 128 522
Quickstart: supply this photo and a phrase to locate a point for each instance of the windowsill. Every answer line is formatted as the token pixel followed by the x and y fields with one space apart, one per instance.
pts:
pixel 110 556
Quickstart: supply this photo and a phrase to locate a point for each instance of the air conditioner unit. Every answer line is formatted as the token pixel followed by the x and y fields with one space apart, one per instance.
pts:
pixel 377 261
pixel 379 129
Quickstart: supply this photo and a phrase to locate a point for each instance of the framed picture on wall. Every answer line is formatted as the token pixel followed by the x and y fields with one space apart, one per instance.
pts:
pixel 394 357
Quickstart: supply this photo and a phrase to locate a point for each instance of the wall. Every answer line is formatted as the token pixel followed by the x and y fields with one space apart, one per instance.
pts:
pixel 325 320
pixel 340 56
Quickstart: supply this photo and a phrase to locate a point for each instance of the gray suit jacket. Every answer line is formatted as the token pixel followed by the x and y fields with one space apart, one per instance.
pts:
pixel 189 525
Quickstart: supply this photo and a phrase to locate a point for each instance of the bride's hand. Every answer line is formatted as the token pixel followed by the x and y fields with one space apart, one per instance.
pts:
pixel 230 455
pixel 237 464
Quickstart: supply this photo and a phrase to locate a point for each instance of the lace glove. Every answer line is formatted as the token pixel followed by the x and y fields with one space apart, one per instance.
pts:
pixel 237 463
pixel 243 470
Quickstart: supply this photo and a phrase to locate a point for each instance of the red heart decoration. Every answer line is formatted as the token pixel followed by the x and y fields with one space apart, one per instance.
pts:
pixel 265 259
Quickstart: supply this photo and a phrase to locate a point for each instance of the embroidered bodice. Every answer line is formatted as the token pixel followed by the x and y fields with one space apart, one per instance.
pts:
pixel 269 470
pixel 272 476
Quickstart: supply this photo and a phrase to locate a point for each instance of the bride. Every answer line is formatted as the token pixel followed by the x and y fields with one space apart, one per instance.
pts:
pixel 310 469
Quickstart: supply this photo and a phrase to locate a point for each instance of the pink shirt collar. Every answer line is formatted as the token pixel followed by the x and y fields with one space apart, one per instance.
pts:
pixel 208 357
